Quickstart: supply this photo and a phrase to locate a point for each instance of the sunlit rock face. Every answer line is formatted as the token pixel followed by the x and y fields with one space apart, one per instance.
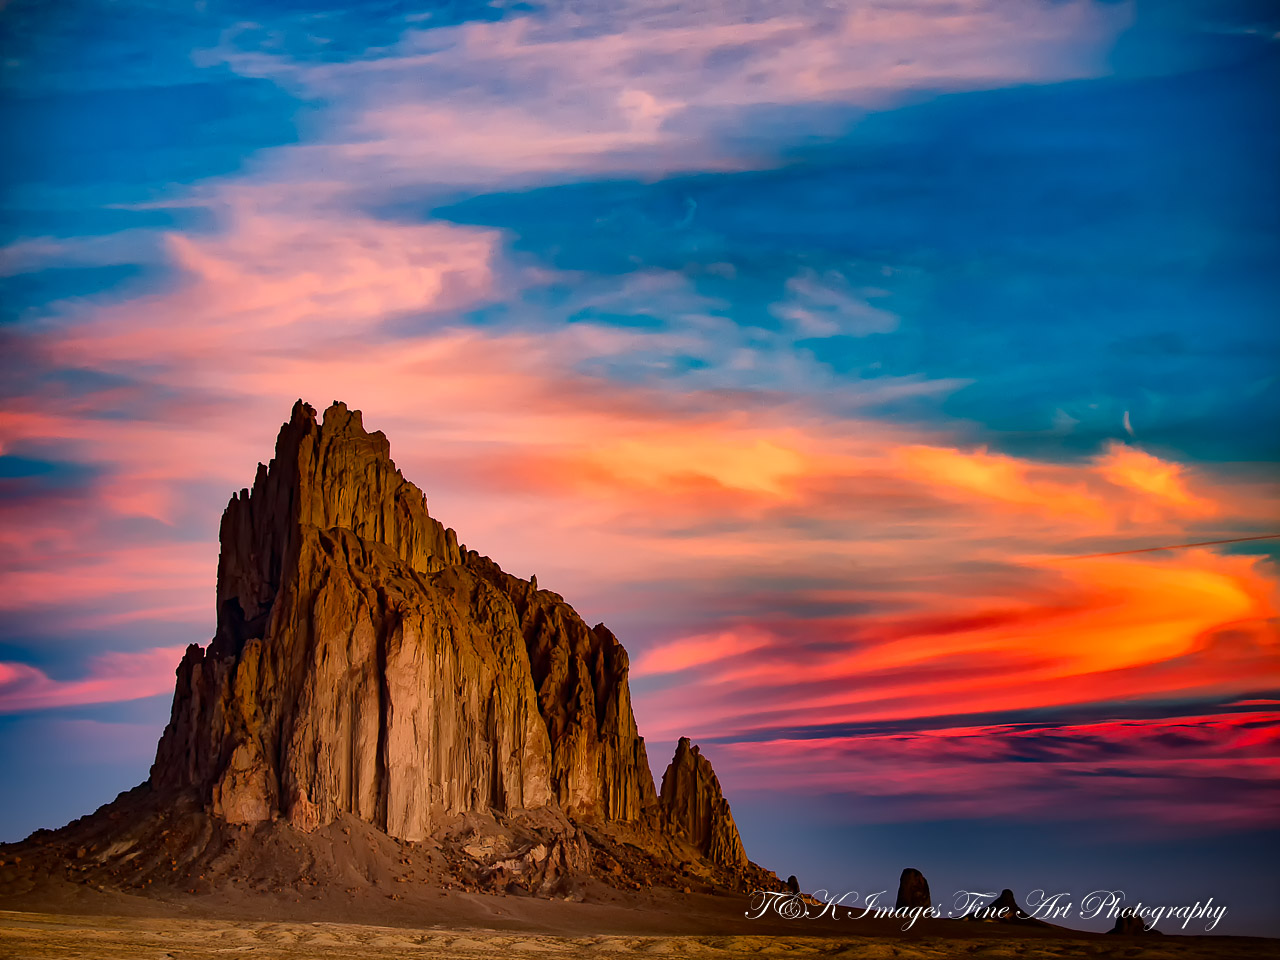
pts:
pixel 694 806
pixel 366 663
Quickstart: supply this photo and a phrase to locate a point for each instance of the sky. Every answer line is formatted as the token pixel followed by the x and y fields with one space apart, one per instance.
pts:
pixel 834 354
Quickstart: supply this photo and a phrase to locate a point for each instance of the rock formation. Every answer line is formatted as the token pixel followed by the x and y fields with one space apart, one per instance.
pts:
pixel 694 806
pixel 1012 912
pixel 1128 926
pixel 382 709
pixel 913 889
pixel 366 663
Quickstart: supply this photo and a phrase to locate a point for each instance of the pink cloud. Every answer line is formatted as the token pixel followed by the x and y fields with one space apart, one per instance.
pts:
pixel 111 677
pixel 697 651
pixel 79 576
pixel 947 553
pixel 628 79
pixel 285 276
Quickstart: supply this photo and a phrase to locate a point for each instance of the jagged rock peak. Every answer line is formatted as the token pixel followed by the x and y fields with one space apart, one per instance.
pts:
pixel 326 475
pixel 694 805
pixel 364 663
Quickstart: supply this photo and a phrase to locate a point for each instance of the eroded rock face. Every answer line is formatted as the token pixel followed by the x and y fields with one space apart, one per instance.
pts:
pixel 598 761
pixel 694 806
pixel 366 663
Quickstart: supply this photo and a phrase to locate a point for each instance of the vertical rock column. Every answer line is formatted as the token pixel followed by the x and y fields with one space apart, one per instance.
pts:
pixel 694 807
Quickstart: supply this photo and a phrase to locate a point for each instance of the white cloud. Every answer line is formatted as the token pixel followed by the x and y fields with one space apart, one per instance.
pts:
pixel 827 305
pixel 632 88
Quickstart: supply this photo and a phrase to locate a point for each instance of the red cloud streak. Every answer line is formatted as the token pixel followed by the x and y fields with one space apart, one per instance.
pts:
pixel 1222 768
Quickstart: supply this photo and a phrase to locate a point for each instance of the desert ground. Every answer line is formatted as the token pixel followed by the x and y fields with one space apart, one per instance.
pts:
pixel 41 936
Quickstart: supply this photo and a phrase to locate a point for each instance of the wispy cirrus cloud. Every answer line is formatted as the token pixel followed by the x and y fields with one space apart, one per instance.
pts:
pixel 649 88
pixel 273 272
pixel 828 305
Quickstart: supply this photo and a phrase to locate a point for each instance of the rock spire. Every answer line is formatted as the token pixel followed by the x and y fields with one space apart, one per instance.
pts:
pixel 695 807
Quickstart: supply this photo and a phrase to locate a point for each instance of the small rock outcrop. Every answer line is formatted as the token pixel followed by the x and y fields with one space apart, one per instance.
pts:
pixel 1012 912
pixel 913 889
pixel 1126 926
pixel 694 806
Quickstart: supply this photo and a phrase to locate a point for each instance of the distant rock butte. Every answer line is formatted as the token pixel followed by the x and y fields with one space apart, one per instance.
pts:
pixel 1008 911
pixel 366 664
pixel 1133 927
pixel 913 889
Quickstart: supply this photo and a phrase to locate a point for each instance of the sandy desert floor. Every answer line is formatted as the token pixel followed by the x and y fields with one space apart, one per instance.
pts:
pixel 40 936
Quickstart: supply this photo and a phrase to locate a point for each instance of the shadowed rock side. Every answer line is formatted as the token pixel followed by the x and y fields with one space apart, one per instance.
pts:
pixel 598 760
pixel 365 663
pixel 913 889
pixel 694 806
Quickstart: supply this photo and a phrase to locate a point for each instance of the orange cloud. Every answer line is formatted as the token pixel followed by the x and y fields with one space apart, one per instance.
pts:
pixel 698 651
pixel 995 477
pixel 758 466
pixel 933 576
pixel 1101 614
pixel 1194 623
pixel 1121 486
pixel 1164 482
